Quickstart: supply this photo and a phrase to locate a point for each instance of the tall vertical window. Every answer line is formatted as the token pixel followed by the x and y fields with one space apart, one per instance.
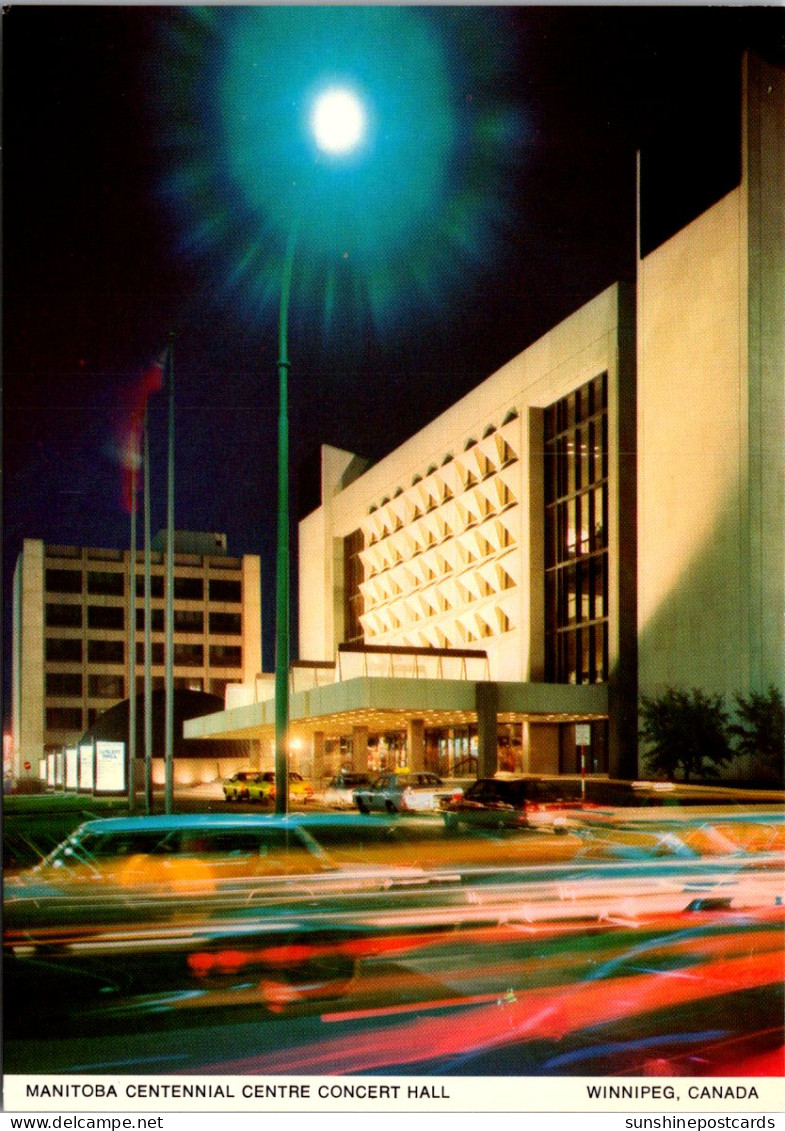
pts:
pixel 576 535
pixel 352 597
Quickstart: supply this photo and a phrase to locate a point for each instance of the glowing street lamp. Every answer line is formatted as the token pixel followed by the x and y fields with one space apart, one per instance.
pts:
pixel 338 121
pixel 338 124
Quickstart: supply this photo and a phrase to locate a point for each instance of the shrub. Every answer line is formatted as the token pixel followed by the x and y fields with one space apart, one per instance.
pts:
pixel 685 731
pixel 760 729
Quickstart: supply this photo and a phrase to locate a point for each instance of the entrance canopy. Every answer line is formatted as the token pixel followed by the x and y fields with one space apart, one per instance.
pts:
pixel 383 704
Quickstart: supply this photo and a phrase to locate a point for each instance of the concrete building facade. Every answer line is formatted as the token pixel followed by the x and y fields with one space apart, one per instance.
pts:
pixel 71 654
pixel 601 517
pixel 711 426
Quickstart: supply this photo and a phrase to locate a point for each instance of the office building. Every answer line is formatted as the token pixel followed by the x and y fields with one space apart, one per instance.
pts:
pixel 71 633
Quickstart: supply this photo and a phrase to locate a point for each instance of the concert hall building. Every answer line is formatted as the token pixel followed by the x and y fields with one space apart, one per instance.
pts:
pixel 600 518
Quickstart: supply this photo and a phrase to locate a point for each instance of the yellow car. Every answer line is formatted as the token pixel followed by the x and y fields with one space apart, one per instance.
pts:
pixel 236 788
pixel 263 788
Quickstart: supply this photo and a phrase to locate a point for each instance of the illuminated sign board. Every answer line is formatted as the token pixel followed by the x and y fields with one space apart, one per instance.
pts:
pixel 86 774
pixel 71 767
pixel 110 767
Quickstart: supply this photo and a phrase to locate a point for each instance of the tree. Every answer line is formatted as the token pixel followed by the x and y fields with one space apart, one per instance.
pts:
pixel 760 729
pixel 685 730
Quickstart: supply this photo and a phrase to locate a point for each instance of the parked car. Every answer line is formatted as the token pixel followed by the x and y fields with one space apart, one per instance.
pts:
pixel 402 793
pixel 510 802
pixel 263 789
pixel 339 792
pixel 236 788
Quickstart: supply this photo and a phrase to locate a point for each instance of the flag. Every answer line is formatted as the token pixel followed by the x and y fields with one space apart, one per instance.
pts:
pixel 151 381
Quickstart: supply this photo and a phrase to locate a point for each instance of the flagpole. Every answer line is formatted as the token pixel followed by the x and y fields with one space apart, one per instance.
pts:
pixel 131 771
pixel 148 679
pixel 169 752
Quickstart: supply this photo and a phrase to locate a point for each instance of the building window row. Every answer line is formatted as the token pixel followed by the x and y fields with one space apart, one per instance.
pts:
pixel 576 535
pixel 112 584
pixel 113 652
pixel 112 617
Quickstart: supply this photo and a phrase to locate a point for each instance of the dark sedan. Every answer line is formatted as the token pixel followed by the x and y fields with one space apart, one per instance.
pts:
pixel 510 802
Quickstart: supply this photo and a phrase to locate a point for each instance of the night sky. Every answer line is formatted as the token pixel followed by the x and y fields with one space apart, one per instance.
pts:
pixel 112 137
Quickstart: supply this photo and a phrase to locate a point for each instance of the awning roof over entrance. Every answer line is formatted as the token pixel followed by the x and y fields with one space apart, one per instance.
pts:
pixel 386 704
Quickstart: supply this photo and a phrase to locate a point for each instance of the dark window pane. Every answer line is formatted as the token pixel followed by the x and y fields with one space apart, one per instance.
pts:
pixel 66 684
pixel 106 687
pixel 105 651
pixel 226 656
pixel 156 620
pixel 188 588
pixel 64 616
pixel 157 683
pixel 64 718
pixel 222 589
pixel 105 616
pixel 186 620
pixel 106 584
pixel 225 624
pixel 64 581
pixel 156 585
pixel 157 654
pixel 189 655
pixel 63 651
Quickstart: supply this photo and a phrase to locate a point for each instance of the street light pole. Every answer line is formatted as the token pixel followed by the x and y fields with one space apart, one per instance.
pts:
pixel 282 549
pixel 148 678
pixel 169 634
pixel 337 122
pixel 131 637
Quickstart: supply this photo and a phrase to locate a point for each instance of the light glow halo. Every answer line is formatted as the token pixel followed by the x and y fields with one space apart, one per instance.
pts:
pixel 394 228
pixel 338 120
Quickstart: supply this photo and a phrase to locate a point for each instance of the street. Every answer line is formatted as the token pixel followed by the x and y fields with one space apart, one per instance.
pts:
pixel 638 943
